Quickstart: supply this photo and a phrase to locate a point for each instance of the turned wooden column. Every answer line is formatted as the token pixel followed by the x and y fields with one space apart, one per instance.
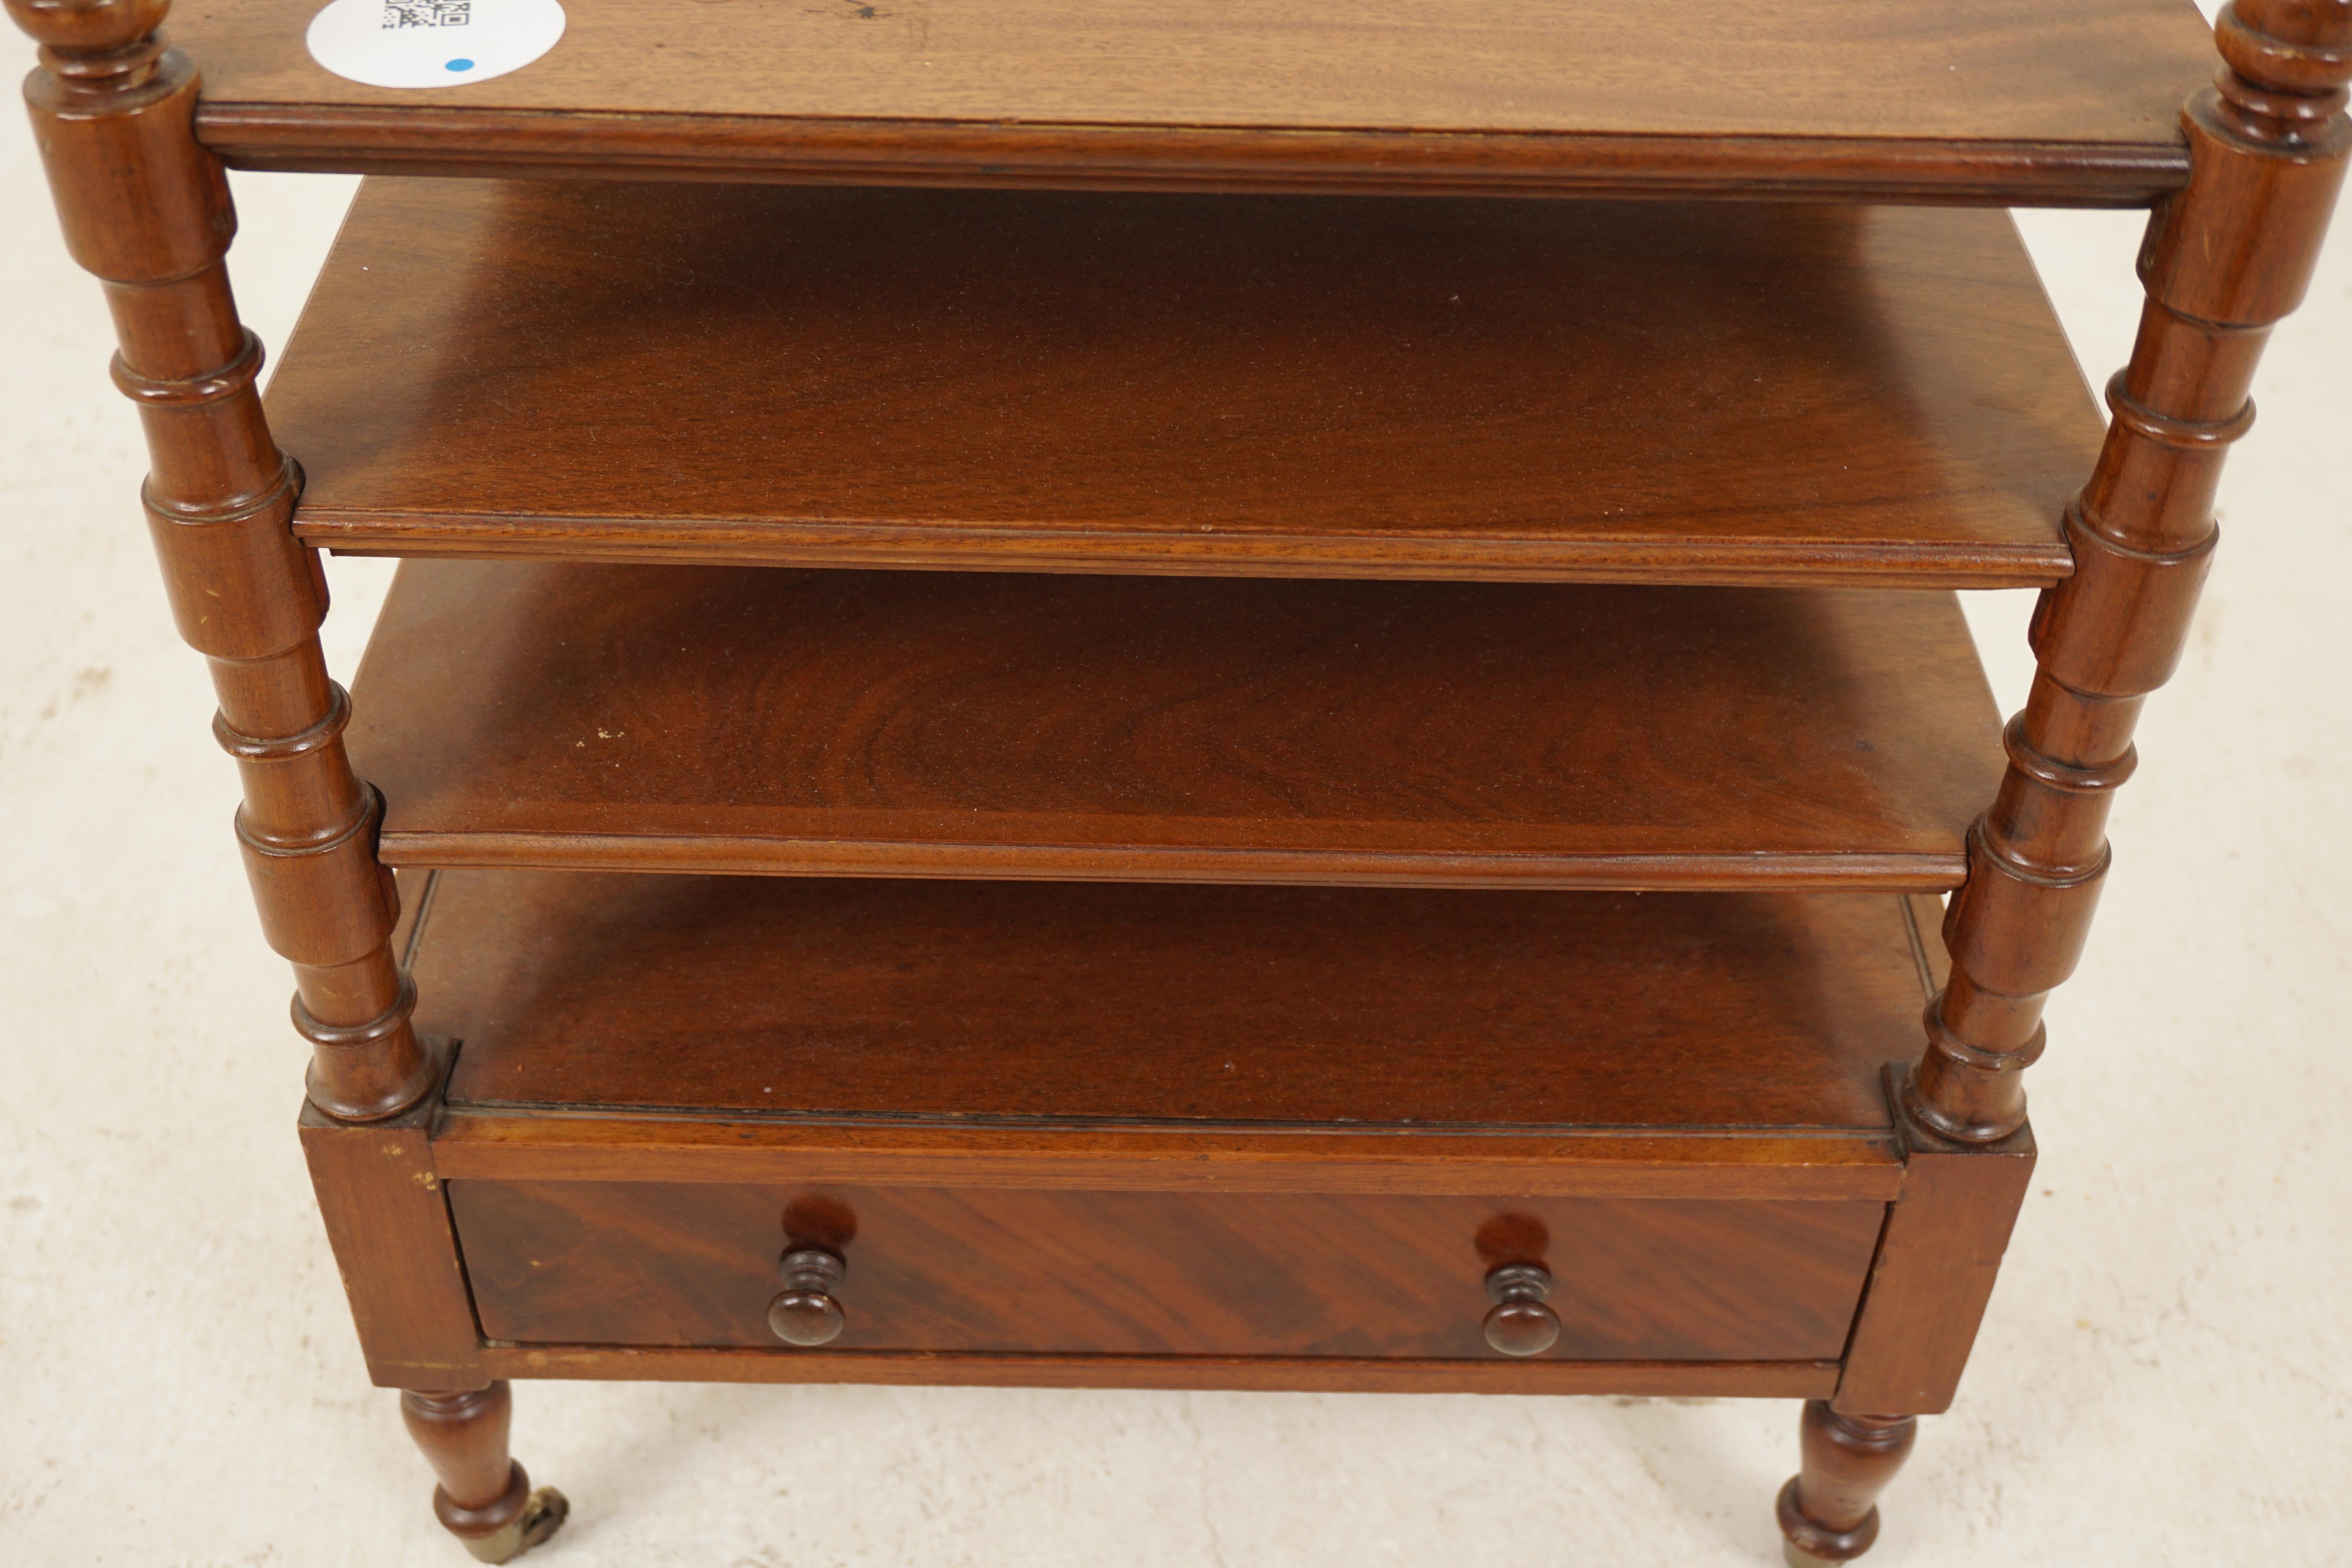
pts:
pixel 2224 258
pixel 147 209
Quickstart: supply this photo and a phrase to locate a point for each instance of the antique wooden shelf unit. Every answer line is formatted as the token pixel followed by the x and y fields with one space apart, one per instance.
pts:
pixel 1049 643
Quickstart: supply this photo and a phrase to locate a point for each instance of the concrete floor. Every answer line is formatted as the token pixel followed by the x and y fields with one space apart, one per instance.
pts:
pixel 2166 1376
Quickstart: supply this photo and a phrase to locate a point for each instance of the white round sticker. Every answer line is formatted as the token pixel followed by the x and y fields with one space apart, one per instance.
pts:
pixel 432 43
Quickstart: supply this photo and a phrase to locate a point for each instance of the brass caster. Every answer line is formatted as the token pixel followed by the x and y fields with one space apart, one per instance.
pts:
pixel 542 1515
pixel 1798 1557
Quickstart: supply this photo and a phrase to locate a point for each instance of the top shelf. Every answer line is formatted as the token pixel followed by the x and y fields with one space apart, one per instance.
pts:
pixel 2058 103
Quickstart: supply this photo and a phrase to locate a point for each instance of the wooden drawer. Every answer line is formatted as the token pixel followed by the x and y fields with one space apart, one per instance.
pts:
pixel 1157 1273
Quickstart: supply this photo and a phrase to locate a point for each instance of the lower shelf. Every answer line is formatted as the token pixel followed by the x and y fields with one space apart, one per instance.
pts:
pixel 785 1006
pixel 1190 1136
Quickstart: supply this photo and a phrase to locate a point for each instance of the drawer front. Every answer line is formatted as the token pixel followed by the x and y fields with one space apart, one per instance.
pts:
pixel 693 1265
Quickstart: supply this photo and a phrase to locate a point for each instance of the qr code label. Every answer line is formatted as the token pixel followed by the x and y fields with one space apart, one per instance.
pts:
pixel 428 13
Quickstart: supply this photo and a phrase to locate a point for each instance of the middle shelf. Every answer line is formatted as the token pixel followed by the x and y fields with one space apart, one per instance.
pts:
pixel 1161 729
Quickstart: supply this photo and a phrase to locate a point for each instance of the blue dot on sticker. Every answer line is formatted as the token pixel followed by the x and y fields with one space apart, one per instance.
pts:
pixel 430 43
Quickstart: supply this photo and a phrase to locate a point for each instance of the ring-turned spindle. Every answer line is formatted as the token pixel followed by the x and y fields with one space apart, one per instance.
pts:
pixel 1520 1323
pixel 806 1313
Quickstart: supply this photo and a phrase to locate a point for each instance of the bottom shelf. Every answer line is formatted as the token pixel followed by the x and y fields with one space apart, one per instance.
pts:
pixel 1178 1135
pixel 1072 1004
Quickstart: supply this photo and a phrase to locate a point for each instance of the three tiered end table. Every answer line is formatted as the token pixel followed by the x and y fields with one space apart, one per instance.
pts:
pixel 1126 692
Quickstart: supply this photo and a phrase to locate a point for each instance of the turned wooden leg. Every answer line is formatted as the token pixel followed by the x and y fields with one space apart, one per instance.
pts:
pixel 1829 1510
pixel 484 1498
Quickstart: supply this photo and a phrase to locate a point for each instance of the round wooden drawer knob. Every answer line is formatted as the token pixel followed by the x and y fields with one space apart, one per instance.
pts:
pixel 806 1313
pixel 1519 1322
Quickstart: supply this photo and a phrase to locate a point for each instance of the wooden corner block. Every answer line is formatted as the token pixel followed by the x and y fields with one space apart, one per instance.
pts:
pixel 1935 1269
pixel 388 1222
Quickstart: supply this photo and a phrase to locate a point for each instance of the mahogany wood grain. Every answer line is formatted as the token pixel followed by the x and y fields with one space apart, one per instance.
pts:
pixel 147 210
pixel 1176 383
pixel 388 1223
pixel 1935 1269
pixel 1927 921
pixel 2223 261
pixel 2006 99
pixel 1165 1274
pixel 976 1005
pixel 1752 1023
pixel 1334 1374
pixel 932 724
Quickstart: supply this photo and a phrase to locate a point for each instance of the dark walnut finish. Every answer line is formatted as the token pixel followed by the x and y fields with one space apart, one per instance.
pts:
pixel 1333 388
pixel 2004 101
pixel 738 719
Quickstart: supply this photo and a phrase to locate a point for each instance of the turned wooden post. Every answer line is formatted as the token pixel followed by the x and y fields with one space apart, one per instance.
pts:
pixel 484 1498
pixel 2224 258
pixel 147 209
